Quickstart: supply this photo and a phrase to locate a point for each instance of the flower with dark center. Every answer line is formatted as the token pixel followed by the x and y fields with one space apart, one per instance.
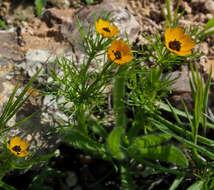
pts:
pixel 177 42
pixel 117 55
pixel 175 45
pixel 119 52
pixel 18 147
pixel 106 29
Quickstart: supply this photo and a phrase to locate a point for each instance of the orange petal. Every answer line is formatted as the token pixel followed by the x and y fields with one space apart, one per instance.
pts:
pixel 173 33
pixel 24 145
pixel 186 43
pixel 184 53
pixel 177 32
pixel 168 35
pixel 23 154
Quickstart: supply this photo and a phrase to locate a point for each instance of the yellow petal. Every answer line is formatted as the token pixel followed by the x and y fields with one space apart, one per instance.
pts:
pixel 168 35
pixel 106 29
pixel 23 154
pixel 177 32
pixel 15 141
pixel 184 53
pixel 123 48
pixel 186 43
pixel 24 145
pixel 172 34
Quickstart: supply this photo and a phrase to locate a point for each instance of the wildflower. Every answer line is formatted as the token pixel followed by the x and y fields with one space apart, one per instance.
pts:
pixel 106 29
pixel 177 42
pixel 119 52
pixel 18 147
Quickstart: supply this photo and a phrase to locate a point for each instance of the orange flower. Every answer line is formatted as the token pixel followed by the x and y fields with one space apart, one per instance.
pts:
pixel 106 29
pixel 119 52
pixel 177 42
pixel 18 147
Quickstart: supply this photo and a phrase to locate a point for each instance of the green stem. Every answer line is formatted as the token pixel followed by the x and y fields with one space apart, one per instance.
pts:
pixel 81 120
pixel 126 178
pixel 105 68
pixel 118 98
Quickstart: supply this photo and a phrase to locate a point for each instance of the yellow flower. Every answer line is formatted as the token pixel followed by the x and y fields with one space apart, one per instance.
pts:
pixel 119 52
pixel 106 29
pixel 177 42
pixel 18 147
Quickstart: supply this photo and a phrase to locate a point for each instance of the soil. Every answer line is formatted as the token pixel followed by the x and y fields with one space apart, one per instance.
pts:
pixel 89 171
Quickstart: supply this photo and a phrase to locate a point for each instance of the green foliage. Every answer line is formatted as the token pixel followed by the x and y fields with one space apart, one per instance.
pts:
pixel 91 2
pixel 14 104
pixel 5 186
pixel 79 140
pixel 3 25
pixel 8 161
pixel 196 186
pixel 38 181
pixel 40 5
pixel 162 153
pixel 126 178
pixel 176 183
pixel 114 143
pixel 207 31
pixel 149 141
pixel 148 147
pixel 172 20
pixel 139 89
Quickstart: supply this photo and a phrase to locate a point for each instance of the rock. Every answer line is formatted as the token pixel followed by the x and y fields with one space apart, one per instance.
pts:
pixel 123 19
pixel 209 5
pixel 181 85
pixel 6 86
pixel 181 90
pixel 9 49
pixel 186 7
pixel 209 16
pixel 208 65
pixel 176 101
pixel 204 48
pixel 198 1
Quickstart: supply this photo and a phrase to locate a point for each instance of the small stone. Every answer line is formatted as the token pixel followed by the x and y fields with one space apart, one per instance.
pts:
pixel 182 83
pixel 198 1
pixel 187 8
pixel 47 100
pixel 29 137
pixel 61 116
pixel 57 152
pixel 204 48
pixel 209 5
pixel 69 105
pixel 209 16
pixel 209 63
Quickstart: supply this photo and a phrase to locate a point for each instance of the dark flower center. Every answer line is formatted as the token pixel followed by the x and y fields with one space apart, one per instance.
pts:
pixel 17 149
pixel 175 45
pixel 106 29
pixel 117 55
